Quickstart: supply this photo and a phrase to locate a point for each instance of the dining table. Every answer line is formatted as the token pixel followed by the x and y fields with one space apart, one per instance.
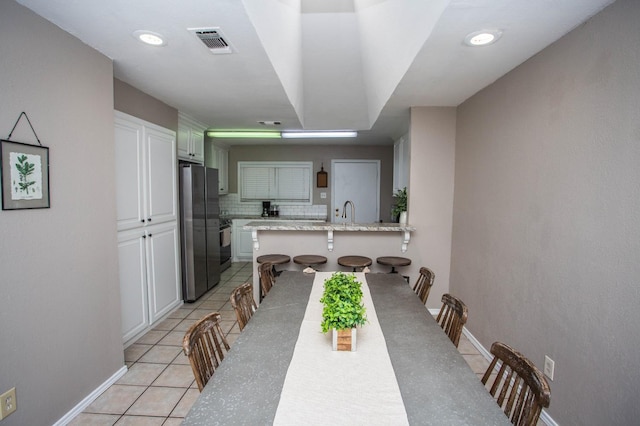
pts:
pixel 282 370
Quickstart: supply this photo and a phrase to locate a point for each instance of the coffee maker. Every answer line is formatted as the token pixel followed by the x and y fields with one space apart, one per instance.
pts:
pixel 266 208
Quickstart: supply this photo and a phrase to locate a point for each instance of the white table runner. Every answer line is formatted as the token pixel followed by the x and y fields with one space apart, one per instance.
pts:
pixel 323 386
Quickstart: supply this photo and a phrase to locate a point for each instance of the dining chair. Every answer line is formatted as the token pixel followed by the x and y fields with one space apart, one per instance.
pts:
pixel 243 303
pixel 266 277
pixel 452 317
pixel 205 346
pixel 423 284
pixel 520 389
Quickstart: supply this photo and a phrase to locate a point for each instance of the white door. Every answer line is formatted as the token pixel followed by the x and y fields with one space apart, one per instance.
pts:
pixel 357 181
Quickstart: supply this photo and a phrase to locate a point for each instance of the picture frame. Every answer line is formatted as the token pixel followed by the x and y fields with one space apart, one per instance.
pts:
pixel 24 175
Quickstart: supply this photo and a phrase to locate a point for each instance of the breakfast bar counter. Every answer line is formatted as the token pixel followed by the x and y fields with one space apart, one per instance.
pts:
pixel 328 227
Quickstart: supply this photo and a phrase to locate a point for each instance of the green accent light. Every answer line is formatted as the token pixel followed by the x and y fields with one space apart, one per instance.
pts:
pixel 245 135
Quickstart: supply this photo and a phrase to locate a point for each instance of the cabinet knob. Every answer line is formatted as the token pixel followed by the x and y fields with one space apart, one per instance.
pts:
pixel 144 236
pixel 150 235
pixel 142 220
pixel 149 220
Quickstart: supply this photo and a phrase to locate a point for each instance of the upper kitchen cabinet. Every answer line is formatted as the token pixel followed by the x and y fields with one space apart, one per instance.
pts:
pixel 218 158
pixel 401 164
pixel 190 139
pixel 146 172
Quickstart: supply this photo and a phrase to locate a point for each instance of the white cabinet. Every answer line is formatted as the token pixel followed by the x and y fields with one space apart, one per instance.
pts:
pixel 134 299
pixel 148 260
pixel 146 173
pixel 220 161
pixel 242 246
pixel 147 205
pixel 190 139
pixel 401 164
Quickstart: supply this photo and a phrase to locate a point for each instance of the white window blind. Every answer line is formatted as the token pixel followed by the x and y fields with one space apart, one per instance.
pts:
pixel 288 182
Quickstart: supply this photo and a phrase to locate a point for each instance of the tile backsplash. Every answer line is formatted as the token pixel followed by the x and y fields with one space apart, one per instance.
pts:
pixel 230 205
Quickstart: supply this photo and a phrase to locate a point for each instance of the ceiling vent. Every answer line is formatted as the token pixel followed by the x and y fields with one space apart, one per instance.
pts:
pixel 213 38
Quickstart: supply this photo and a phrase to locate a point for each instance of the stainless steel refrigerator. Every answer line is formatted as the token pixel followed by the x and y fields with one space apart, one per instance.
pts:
pixel 200 227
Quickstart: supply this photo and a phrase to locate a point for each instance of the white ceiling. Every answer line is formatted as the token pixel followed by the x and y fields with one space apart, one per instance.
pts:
pixel 316 64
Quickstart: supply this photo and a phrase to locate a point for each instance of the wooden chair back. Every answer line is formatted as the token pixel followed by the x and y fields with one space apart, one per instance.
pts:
pixel 519 388
pixel 243 303
pixel 452 317
pixel 266 277
pixel 423 285
pixel 205 346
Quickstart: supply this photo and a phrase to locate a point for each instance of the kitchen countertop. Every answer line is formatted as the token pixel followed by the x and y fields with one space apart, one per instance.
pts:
pixel 275 218
pixel 257 227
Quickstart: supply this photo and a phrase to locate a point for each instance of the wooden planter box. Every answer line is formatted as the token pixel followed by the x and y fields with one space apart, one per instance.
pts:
pixel 344 340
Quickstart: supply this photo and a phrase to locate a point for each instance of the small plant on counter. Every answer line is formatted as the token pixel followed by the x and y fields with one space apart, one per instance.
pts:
pixel 401 202
pixel 342 300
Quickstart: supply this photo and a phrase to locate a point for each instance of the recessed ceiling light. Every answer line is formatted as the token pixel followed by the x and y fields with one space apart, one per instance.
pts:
pixel 149 37
pixel 482 38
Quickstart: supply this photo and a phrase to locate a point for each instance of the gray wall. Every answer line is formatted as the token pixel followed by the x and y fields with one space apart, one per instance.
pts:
pixel 546 223
pixel 60 304
pixel 132 101
pixel 319 155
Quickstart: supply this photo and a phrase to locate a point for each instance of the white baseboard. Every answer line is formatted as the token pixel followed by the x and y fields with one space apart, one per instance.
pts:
pixel 544 416
pixel 91 397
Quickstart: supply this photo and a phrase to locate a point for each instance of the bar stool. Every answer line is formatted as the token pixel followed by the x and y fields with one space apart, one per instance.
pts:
pixel 275 259
pixel 394 262
pixel 354 261
pixel 309 260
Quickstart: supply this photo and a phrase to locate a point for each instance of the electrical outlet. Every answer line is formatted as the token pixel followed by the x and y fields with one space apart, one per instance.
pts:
pixel 549 367
pixel 323 195
pixel 8 403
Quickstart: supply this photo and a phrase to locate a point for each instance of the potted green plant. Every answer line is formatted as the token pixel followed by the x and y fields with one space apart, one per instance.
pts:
pixel 400 207
pixel 343 309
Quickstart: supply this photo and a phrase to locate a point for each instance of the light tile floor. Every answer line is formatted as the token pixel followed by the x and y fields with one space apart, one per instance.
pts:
pixel 159 387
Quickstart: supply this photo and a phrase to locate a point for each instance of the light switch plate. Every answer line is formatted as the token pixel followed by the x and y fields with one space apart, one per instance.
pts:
pixel 549 367
pixel 323 195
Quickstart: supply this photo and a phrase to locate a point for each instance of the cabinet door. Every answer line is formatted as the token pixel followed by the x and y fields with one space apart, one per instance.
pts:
pixel 243 243
pixel 163 273
pixel 197 146
pixel 161 176
pixel 400 164
pixel 133 283
pixel 183 142
pixel 223 171
pixel 129 173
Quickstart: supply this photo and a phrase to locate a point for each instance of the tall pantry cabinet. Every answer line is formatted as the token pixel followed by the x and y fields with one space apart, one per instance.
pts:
pixel 148 238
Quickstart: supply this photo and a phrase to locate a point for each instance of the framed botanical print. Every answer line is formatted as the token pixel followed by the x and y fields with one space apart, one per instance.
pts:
pixel 25 175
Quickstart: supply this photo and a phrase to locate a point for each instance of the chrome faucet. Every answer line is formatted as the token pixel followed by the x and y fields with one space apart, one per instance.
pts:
pixel 353 211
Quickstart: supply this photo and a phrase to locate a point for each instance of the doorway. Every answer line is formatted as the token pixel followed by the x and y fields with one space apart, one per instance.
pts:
pixel 357 181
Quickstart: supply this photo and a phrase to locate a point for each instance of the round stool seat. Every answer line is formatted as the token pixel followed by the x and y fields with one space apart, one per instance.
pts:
pixel 274 259
pixel 394 262
pixel 354 261
pixel 277 259
pixel 309 259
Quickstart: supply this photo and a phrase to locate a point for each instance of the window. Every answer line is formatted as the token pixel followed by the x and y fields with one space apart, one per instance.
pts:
pixel 284 181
